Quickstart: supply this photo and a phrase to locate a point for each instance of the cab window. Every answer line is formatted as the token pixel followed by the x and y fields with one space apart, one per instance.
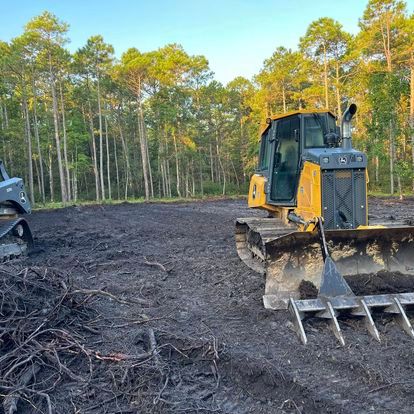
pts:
pixel 264 151
pixel 286 160
pixel 313 132
pixel 316 127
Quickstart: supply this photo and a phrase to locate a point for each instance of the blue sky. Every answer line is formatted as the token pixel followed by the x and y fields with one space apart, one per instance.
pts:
pixel 235 36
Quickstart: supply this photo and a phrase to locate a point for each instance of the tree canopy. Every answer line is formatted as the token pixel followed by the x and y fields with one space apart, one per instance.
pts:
pixel 86 125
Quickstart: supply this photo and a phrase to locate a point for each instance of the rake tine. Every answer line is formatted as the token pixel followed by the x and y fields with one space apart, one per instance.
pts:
pixel 402 318
pixel 364 311
pixel 297 321
pixel 334 323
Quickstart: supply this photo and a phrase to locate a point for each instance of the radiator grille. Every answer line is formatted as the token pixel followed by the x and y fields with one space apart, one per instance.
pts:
pixel 343 198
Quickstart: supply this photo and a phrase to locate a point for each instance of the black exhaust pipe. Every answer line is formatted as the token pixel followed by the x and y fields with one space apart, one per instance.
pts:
pixel 346 126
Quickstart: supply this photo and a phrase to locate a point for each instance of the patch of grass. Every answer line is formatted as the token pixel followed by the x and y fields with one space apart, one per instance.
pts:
pixel 56 205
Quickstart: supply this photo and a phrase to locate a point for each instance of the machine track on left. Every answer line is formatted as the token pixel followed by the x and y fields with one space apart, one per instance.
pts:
pixel 15 234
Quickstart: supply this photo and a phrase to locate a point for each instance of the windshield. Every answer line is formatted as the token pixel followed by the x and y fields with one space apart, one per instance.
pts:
pixel 316 127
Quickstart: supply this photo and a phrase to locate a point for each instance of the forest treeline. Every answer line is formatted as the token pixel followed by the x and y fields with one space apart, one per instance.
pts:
pixel 86 125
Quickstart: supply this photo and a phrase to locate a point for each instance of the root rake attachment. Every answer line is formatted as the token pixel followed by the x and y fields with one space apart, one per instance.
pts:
pixel 335 297
pixel 329 308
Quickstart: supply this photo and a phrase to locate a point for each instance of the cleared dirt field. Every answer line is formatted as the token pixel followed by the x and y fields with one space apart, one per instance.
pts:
pixel 219 349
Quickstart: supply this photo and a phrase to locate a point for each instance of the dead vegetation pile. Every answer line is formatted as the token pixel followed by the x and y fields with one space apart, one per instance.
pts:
pixel 53 357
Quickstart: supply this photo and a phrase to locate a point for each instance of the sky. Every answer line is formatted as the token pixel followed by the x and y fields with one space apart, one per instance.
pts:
pixel 236 36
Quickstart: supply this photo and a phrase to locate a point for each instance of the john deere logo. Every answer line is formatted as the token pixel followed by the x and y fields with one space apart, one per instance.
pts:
pixel 343 160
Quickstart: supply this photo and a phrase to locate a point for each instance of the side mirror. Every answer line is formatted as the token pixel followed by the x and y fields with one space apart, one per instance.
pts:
pixel 332 139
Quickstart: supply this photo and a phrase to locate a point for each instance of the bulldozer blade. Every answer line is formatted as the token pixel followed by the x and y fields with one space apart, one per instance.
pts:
pixel 296 257
pixel 289 258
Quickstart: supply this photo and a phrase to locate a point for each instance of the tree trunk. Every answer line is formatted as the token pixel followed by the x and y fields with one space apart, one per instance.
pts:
pixel 11 162
pixel 93 153
pixel 75 176
pixel 161 164
pixel 108 167
pixel 167 165
pixel 143 146
pixel 116 170
pixel 163 178
pixel 6 116
pixel 37 175
pixel 221 164
pixel 126 157
pixel 201 176
pixel 412 114
pixel 144 132
pixel 57 137
pixel 51 187
pixel 325 75
pixel 193 185
pixel 218 163
pixel 169 179
pixel 177 165
pixel 187 187
pixel 400 192
pixel 338 93
pixel 101 168
pixel 391 150
pixel 211 161
pixel 386 39
pixel 65 144
pixel 29 148
pixel 39 152
pixel 86 186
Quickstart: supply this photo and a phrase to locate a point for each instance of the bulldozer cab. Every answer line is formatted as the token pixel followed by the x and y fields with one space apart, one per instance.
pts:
pixel 284 146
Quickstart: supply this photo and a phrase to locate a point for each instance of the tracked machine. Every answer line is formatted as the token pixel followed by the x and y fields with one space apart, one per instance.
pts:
pixel 313 184
pixel 15 235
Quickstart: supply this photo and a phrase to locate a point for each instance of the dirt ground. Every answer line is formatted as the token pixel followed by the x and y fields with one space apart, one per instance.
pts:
pixel 219 349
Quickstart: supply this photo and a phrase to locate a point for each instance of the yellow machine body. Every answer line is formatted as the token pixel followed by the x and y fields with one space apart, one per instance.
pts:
pixel 306 171
pixel 308 194
pixel 309 202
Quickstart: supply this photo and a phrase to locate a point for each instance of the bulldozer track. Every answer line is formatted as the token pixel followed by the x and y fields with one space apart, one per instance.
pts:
pixel 252 235
pixel 11 245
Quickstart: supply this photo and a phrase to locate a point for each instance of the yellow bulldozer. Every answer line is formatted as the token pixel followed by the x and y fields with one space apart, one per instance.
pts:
pixel 313 184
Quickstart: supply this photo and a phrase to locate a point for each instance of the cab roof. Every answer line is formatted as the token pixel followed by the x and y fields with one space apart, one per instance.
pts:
pixel 265 126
